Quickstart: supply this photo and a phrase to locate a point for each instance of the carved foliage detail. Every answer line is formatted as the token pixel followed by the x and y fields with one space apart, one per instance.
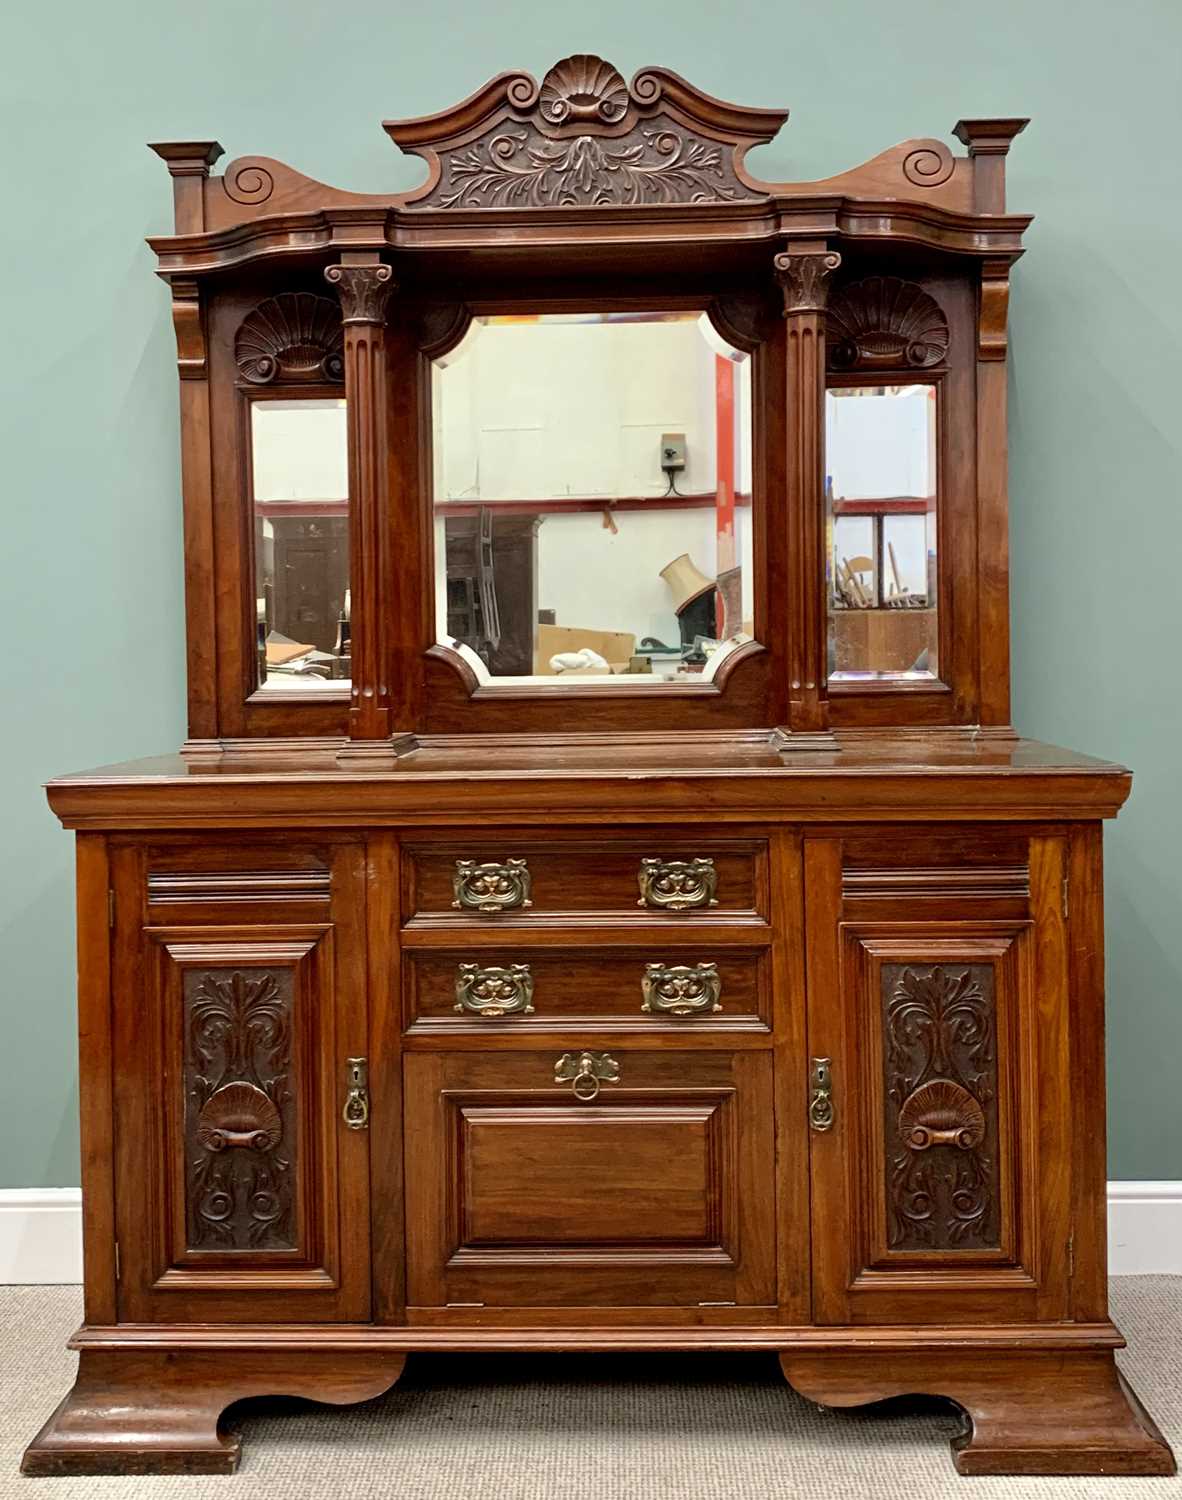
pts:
pixel 882 323
pixel 295 336
pixel 519 168
pixel 240 1125
pixel 940 1066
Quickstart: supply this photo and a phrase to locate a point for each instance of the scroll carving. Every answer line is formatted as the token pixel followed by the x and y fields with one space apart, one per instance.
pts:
pixel 364 291
pixel 929 165
pixel 804 279
pixel 584 137
pixel 993 313
pixel 518 169
pixel 239 1111
pixel 885 323
pixel 293 337
pixel 248 181
pixel 940 1066
pixel 189 329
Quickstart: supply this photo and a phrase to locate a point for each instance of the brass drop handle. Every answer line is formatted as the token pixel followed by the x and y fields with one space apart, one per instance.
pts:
pixel 677 884
pixel 585 1071
pixel 494 990
pixel 356 1110
pixel 491 887
pixel 681 989
pixel 821 1112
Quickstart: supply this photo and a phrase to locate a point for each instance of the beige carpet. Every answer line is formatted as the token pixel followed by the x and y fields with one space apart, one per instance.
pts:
pixel 580 1428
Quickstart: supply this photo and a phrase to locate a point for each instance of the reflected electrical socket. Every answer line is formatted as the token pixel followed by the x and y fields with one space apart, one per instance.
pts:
pixel 672 451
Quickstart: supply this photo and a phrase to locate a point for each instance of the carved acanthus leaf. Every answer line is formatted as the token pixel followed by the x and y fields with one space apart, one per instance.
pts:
pixel 518 168
pixel 238 1109
pixel 364 291
pixel 940 1076
pixel 804 279
pixel 585 138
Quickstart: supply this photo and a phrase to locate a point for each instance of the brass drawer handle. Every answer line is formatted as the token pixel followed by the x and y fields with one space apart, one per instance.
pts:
pixel 682 989
pixel 585 1071
pixel 490 887
pixel 356 1110
pixel 821 1111
pixel 677 884
pixel 494 991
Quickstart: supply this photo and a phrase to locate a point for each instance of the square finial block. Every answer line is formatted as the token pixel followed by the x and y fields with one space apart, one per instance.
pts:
pixel 988 137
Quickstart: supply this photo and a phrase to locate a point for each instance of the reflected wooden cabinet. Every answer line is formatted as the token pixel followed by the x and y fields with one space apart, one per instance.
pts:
pixel 511 964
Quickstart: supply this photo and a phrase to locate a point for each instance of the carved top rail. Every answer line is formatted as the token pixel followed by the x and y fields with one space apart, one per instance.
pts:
pixel 552 158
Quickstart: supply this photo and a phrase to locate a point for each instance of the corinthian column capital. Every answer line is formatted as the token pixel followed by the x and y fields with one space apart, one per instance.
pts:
pixel 364 291
pixel 804 279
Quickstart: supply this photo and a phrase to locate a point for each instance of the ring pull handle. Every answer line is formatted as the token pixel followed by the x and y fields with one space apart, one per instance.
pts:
pixel 821 1111
pixel 585 1072
pixel 356 1110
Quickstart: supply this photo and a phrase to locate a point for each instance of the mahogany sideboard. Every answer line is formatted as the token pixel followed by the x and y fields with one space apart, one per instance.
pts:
pixel 697 991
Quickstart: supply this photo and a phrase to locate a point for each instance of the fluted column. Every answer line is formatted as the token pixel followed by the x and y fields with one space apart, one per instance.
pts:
pixel 364 285
pixel 804 280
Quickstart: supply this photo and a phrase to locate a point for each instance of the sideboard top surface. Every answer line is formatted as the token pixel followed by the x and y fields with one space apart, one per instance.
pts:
pixel 958 777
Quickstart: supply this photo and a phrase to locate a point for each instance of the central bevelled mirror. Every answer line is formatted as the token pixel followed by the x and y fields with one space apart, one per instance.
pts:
pixel 592 498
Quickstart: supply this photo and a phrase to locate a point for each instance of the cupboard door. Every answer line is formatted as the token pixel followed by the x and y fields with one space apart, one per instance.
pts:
pixel 649 1184
pixel 941 1181
pixel 241 1191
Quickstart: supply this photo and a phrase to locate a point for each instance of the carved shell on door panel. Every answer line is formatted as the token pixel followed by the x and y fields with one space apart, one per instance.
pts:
pixel 242 1115
pixel 884 322
pixel 583 90
pixel 941 1113
pixel 295 336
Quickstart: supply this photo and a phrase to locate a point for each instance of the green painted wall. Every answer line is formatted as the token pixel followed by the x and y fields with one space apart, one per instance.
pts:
pixel 92 663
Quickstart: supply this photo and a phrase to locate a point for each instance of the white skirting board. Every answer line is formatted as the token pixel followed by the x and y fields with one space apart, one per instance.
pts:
pixel 41 1232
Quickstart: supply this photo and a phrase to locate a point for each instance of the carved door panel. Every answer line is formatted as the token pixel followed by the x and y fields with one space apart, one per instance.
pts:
pixel 939 997
pixel 241 1191
pixel 646 1179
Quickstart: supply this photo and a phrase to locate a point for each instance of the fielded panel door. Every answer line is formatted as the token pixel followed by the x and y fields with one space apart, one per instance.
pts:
pixel 239 998
pixel 645 1181
pixel 941 1136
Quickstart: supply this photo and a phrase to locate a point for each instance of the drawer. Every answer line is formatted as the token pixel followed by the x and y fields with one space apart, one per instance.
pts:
pixel 657 875
pixel 560 1177
pixel 535 988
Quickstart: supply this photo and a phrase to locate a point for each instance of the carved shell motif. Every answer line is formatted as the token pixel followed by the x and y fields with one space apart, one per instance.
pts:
pixel 583 90
pixel 295 336
pixel 941 1113
pixel 883 322
pixel 239 1114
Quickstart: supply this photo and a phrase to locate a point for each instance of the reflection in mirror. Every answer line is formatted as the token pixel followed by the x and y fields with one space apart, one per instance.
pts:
pixel 881 552
pixel 300 496
pixel 593 498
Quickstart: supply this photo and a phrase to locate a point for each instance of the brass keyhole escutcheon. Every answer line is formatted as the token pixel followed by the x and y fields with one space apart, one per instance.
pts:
pixel 356 1110
pixel 821 1112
